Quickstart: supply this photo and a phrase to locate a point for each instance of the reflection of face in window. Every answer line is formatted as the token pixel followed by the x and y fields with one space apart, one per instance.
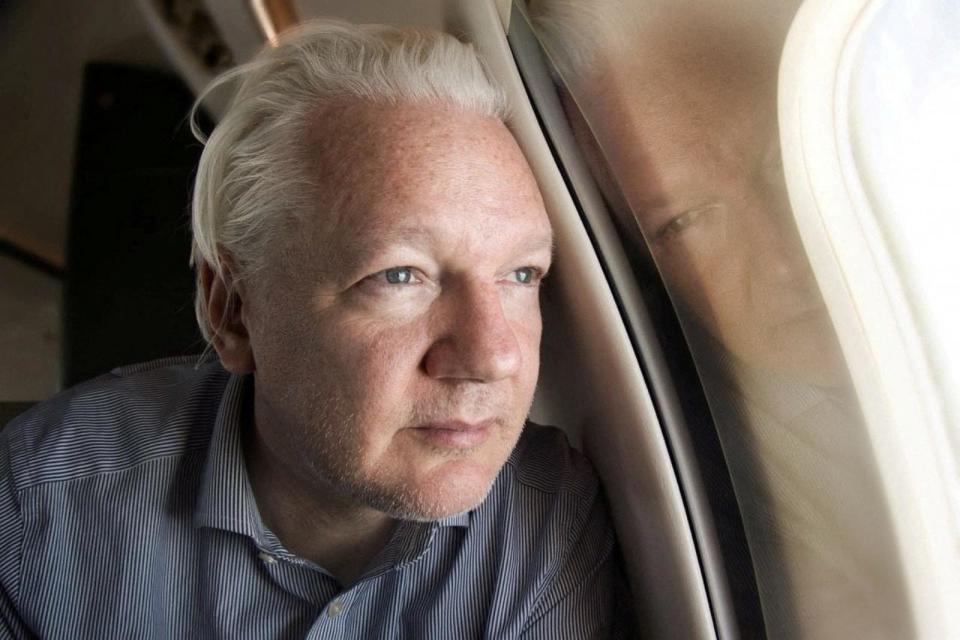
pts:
pixel 691 138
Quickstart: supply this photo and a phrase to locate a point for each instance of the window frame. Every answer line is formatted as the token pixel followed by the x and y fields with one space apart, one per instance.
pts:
pixel 676 390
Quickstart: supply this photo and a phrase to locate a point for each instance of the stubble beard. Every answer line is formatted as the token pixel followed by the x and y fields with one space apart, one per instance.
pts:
pixel 334 452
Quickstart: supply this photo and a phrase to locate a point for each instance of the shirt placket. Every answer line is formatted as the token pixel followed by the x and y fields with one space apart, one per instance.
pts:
pixel 335 621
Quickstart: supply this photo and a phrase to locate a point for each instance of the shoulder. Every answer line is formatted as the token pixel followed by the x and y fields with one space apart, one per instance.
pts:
pixel 116 421
pixel 547 512
pixel 544 461
pixel 548 487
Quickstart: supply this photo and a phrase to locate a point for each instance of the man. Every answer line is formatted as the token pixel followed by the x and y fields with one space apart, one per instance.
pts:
pixel 674 105
pixel 369 242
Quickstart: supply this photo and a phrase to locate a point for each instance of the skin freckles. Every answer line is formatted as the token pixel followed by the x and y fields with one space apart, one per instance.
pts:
pixel 353 371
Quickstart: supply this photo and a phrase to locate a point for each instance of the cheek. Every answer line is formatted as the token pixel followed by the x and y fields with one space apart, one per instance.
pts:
pixel 683 276
pixel 331 354
pixel 521 309
pixel 527 329
pixel 375 367
pixel 716 293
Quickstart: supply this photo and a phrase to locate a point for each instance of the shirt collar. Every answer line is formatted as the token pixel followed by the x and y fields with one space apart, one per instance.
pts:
pixel 782 397
pixel 457 520
pixel 226 498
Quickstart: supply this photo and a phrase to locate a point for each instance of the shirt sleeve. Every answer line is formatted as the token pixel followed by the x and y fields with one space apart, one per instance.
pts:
pixel 11 543
pixel 578 602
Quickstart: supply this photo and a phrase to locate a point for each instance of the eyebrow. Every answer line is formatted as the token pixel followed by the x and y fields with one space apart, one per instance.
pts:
pixel 655 203
pixel 358 248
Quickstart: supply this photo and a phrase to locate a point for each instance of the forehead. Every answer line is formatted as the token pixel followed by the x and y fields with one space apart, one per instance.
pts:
pixel 682 75
pixel 399 168
pixel 686 120
pixel 370 148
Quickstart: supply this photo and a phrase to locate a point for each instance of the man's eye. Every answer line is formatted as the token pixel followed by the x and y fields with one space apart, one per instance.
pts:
pixel 395 276
pixel 398 275
pixel 528 275
pixel 685 220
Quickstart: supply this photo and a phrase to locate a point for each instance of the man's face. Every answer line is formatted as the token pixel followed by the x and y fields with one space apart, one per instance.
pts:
pixel 396 338
pixel 697 157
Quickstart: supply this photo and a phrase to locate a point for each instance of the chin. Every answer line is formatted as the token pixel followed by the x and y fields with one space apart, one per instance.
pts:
pixel 815 357
pixel 452 489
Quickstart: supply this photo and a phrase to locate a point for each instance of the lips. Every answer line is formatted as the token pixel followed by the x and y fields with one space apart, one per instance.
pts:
pixel 455 434
pixel 803 314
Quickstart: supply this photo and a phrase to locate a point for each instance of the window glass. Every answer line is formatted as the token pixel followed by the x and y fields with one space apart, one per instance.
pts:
pixel 674 105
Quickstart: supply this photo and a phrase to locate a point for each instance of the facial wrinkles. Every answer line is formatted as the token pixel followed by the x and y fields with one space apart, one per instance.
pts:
pixel 338 153
pixel 348 379
pixel 333 443
pixel 690 118
pixel 339 451
pixel 469 204
pixel 383 179
pixel 386 487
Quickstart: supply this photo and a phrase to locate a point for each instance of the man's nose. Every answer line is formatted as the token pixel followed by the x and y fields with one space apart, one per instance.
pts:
pixel 476 341
pixel 778 249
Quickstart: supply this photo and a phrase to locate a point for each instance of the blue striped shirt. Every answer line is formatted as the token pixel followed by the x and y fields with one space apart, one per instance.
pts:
pixel 126 512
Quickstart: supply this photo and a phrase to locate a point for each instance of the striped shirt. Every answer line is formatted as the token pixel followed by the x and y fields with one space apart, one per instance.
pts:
pixel 126 512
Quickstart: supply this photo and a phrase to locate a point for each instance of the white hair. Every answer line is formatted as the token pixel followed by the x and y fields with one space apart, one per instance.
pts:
pixel 581 36
pixel 253 174
pixel 578 34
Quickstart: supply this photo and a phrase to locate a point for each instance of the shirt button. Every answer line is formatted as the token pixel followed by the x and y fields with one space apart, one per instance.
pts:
pixel 334 608
pixel 266 557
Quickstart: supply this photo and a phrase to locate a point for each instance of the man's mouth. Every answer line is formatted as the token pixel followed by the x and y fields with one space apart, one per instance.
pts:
pixel 806 314
pixel 455 434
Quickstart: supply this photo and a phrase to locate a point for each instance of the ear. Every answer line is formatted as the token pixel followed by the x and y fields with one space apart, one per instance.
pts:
pixel 224 307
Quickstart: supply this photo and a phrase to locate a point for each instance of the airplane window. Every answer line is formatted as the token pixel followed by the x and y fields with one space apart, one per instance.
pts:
pixel 674 106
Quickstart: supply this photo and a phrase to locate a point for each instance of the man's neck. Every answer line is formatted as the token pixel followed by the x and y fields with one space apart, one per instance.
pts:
pixel 315 524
